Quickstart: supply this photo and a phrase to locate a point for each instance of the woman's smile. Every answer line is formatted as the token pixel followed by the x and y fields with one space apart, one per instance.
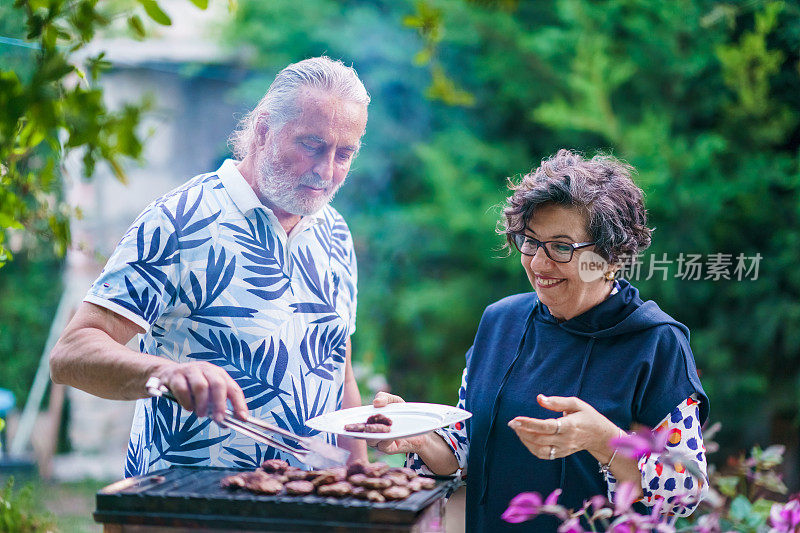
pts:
pixel 545 282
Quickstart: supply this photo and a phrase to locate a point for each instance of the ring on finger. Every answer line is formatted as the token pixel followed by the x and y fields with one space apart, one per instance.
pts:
pixel 552 452
pixel 558 426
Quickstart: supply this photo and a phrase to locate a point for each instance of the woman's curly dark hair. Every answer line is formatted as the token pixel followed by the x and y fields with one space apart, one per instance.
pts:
pixel 600 187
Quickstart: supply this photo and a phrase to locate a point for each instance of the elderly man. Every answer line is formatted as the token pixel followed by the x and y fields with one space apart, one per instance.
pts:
pixel 242 283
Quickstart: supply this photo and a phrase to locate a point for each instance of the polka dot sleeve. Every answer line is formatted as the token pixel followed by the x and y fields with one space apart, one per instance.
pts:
pixel 675 484
pixel 454 435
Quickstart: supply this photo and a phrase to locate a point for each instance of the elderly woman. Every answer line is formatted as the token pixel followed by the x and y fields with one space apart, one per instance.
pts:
pixel 554 375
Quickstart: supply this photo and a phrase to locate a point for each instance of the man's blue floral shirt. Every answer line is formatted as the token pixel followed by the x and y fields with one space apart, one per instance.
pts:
pixel 210 275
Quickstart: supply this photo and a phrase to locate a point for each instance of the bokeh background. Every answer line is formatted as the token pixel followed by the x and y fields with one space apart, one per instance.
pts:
pixel 701 96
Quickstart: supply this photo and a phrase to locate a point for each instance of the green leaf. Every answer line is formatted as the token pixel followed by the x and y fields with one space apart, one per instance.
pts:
pixel 7 221
pixel 772 456
pixel 155 12
pixel 762 507
pixel 5 256
pixel 727 485
pixel 202 4
pixel 740 508
pixel 423 57
pixel 136 26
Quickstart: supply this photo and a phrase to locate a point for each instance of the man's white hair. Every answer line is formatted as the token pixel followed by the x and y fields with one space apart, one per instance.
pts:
pixel 279 105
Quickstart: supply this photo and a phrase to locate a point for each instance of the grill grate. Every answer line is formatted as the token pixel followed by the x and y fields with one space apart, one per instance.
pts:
pixel 192 497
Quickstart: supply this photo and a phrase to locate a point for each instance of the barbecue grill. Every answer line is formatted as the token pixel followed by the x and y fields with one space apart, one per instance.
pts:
pixel 190 498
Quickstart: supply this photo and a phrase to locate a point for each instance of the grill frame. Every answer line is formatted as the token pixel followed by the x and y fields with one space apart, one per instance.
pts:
pixel 190 497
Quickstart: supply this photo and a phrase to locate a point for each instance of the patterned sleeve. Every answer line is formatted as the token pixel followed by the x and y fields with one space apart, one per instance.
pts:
pixel 140 277
pixel 454 435
pixel 675 483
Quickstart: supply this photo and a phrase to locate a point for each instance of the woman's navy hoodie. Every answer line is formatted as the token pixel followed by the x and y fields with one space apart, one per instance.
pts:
pixel 626 358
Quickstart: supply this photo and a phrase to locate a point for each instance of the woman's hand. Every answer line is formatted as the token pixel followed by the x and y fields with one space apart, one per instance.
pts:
pixel 430 447
pixel 581 428
pixel 406 445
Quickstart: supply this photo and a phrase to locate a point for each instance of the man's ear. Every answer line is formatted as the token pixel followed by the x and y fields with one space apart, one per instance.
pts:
pixel 262 128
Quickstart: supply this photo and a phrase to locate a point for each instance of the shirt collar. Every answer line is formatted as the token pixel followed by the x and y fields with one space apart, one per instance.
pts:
pixel 242 194
pixel 245 199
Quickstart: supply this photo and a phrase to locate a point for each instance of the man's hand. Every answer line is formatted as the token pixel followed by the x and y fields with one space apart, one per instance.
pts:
pixel 203 388
pixel 91 355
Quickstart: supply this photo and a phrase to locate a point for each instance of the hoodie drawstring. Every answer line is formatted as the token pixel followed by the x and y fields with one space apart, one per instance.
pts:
pixel 585 363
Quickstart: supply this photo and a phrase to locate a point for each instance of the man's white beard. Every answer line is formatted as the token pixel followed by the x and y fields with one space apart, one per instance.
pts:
pixel 279 187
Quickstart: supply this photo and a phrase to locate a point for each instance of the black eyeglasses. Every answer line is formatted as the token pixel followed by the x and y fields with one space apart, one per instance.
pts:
pixel 558 251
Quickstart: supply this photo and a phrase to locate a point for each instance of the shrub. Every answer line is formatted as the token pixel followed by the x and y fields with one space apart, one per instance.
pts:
pixel 18 514
pixel 745 499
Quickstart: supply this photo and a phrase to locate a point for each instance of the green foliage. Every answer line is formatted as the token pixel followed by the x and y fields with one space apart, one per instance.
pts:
pixel 19 513
pixel 701 97
pixel 30 287
pixel 744 497
pixel 51 106
pixel 54 108
pixel 728 506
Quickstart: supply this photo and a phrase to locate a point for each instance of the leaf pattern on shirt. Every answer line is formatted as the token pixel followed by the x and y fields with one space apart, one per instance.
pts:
pixel 322 348
pixel 135 457
pixel 182 220
pixel 211 282
pixel 250 369
pixel 218 276
pixel 333 235
pixel 323 289
pixel 144 305
pixel 173 435
pixel 251 460
pixel 295 416
pixel 151 264
pixel 266 253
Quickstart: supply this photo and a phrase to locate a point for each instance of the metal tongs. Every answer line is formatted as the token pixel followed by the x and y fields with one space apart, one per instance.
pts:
pixel 312 452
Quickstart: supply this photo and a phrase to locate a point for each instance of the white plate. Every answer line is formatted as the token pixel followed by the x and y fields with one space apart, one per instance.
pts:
pixel 408 419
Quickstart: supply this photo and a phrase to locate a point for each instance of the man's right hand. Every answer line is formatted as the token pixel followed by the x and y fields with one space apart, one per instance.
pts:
pixel 91 355
pixel 203 388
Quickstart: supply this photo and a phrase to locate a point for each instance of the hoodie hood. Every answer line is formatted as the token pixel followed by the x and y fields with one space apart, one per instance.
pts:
pixel 620 314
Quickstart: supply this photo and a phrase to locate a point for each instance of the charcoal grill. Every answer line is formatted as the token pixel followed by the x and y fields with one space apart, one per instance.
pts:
pixel 190 498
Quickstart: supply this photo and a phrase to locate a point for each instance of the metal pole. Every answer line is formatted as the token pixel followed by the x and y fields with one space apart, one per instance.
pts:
pixel 40 383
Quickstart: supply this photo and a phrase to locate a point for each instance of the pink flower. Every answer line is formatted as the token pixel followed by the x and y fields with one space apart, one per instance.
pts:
pixel 631 523
pixel 573 525
pixel 552 499
pixel 597 502
pixel 526 505
pixel 624 497
pixel 639 444
pixel 708 523
pixel 785 518
pixel 523 506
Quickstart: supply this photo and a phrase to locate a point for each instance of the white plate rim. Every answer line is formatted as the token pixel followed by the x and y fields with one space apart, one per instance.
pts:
pixel 449 413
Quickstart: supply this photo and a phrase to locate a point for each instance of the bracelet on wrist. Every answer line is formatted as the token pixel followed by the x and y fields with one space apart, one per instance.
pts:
pixel 606 468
